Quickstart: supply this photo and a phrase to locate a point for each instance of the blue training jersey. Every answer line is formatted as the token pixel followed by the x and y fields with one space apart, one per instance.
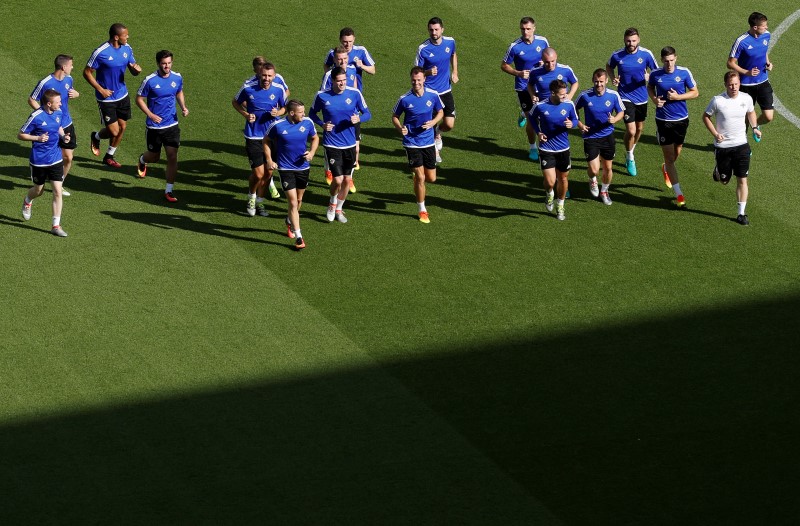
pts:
pixel 160 93
pixel 353 79
pixel 525 56
pixel 418 110
pixel 681 80
pixel 338 108
pixel 62 86
pixel 751 52
pixel 40 122
pixel 290 142
pixel 110 64
pixel 542 78
pixel 260 102
pixel 357 52
pixel 597 109
pixel 430 55
pixel 548 118
pixel 632 70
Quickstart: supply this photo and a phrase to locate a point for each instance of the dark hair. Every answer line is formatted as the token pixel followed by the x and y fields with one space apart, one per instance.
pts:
pixel 335 72
pixel 756 18
pixel 48 96
pixel 435 20
pixel 729 75
pixel 293 104
pixel 346 32
pixel 527 20
pixel 557 84
pixel 598 72
pixel 161 55
pixel 115 29
pixel 61 61
pixel 268 65
pixel 259 61
pixel 417 69
pixel 667 51
pixel 631 31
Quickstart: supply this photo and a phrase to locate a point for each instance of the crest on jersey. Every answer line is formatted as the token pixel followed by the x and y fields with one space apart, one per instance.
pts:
pixel 640 60
pixel 538 48
pixel 608 103
pixel 272 97
pixel 66 86
pixel 429 104
pixel 765 42
pixel 563 112
pixel 173 84
pixel 125 55
pixel 677 78
pixel 302 128
pixel 560 77
pixel 348 100
pixel 447 50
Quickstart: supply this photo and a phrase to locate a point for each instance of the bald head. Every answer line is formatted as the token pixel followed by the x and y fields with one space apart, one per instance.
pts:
pixel 549 58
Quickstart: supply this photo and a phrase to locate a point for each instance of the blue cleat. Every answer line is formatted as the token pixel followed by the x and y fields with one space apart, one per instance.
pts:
pixel 631 167
pixel 533 154
pixel 522 120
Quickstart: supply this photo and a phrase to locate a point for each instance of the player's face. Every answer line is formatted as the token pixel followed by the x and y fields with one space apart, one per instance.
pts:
pixel 67 68
pixel 435 32
pixel 418 83
pixel 669 62
pixel 632 43
pixel 549 61
pixel 347 42
pixel 266 76
pixel 526 31
pixel 760 29
pixel 298 114
pixel 339 83
pixel 558 96
pixel 733 85
pixel 122 38
pixel 599 83
pixel 341 60
pixel 55 104
pixel 165 66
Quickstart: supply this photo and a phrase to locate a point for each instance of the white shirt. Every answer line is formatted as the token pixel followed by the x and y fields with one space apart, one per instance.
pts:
pixel 731 117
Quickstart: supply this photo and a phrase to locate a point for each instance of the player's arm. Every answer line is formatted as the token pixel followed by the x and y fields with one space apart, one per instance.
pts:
pixel 360 64
pixel 733 63
pixel 33 103
pixel 435 120
pixel 508 68
pixel 182 103
pixel 573 89
pixel 610 75
pixel 651 92
pixel 313 114
pixel 141 101
pixel 691 93
pixel 768 64
pixel 711 128
pixel 312 150
pixel 134 68
pixel 454 68
pixel 399 125
pixel 88 74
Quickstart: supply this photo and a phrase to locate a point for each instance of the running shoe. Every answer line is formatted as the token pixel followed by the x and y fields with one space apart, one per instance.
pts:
pixel 423 217
pixel 170 197
pixel 328 177
pixel 742 220
pixel 630 165
pixel 560 213
pixel 340 217
pixel 289 231
pixel 58 231
pixel 357 166
pixel 548 203
pixel 109 160
pixel 95 143
pixel 273 191
pixel 681 201
pixel 604 197
pixel 593 188
pixel 533 154
pixel 352 186
pixel 262 210
pixel 141 168
pixel 522 120
pixel 438 156
pixel 715 174
pixel 251 206
pixel 64 192
pixel 26 209
pixel 756 137
pixel 666 176
pixel 299 244
pixel 331 214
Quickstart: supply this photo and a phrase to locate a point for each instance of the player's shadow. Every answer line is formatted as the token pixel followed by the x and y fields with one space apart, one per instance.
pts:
pixel 19 223
pixel 15 149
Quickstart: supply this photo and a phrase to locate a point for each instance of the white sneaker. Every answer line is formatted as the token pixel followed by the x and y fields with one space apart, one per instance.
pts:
pixel 58 231
pixel 548 203
pixel 26 209
pixel 331 214
pixel 64 192
pixel 438 157
pixel 560 213
pixel 251 206
pixel 438 143
pixel 340 217
pixel 604 197
pixel 593 188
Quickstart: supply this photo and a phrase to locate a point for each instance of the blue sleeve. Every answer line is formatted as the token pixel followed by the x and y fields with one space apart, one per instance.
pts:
pixel 365 113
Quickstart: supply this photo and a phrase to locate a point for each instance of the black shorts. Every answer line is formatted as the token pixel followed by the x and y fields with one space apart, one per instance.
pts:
pixel 671 132
pixel 733 161
pixel 449 104
pixel 42 174
pixel 156 138
pixel 255 152
pixel 119 110
pixel 425 157
pixel 341 161
pixel 761 94
pixel 294 179
pixel 634 112
pixel 605 147
pixel 525 101
pixel 73 139
pixel 561 161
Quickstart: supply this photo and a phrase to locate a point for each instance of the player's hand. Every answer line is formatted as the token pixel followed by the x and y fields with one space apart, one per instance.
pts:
pixel 615 81
pixel 567 123
pixel 273 165
pixel 542 137
pixel 454 78
pixel 274 111
pixel 583 128
pixel 329 126
pixel 307 156
pixel 357 62
pixel 135 69
pixel 672 94
pixel 404 130
pixel 427 125
pixel 355 118
pixel 525 73
pixel 757 132
pixel 251 117
pixel 719 137
pixel 754 72
pixel 44 137
pixel 105 93
pixel 434 71
pixel 73 94
pixel 66 137
pixel 768 66
pixel 185 111
pixel 155 118
pixel 660 102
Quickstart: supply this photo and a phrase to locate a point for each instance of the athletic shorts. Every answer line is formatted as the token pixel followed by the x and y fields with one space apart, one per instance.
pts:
pixel 634 112
pixel 561 161
pixel 42 174
pixel 671 132
pixel 73 139
pixel 341 161
pixel 605 147
pixel 525 101
pixel 255 152
pixel 733 161
pixel 761 94
pixel 425 157
pixel 119 110
pixel 156 138
pixel 294 179
pixel 449 104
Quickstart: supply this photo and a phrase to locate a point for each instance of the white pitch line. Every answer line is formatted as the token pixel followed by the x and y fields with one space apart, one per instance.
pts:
pixel 783 110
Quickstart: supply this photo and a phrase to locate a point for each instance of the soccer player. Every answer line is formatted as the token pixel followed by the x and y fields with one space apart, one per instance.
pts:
pixel 290 137
pixel 259 104
pixel 437 57
pixel 632 63
pixel 61 81
pixel 551 119
pixel 750 58
pixel 669 87
pixel 602 108
pixel 43 128
pixel 423 110
pixel 539 81
pixel 108 62
pixel 731 110
pixel 524 54
pixel 258 63
pixel 156 98
pixel 342 109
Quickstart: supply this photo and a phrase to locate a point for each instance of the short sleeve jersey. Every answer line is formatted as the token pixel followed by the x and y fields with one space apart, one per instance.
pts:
pixel 597 109
pixel 751 52
pixel 40 122
pixel 417 110
pixel 681 80
pixel 359 52
pixel 353 79
pixel 632 70
pixel 110 64
pixel 260 102
pixel 548 118
pixel 730 117
pixel 542 78
pixel 160 93
pixel 338 108
pixel 62 86
pixel 430 55
pixel 525 56
pixel 291 140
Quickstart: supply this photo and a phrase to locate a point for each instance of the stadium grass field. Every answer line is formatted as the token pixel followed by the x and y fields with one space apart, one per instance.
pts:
pixel 181 364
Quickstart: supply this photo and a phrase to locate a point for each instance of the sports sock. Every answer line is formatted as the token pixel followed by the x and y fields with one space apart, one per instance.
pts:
pixel 560 202
pixel 604 187
pixel 333 200
pixel 56 220
pixel 112 150
pixel 297 233
pixel 169 187
pixel 741 207
pixel 340 204
pixel 422 207
pixel 27 200
pixel 677 188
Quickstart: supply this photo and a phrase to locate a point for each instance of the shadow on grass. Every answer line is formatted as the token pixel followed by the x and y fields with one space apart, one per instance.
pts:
pixel 685 419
